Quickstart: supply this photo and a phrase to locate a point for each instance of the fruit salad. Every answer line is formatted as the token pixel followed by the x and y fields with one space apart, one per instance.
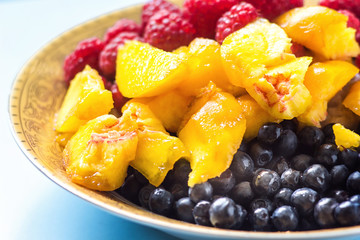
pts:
pixel 225 113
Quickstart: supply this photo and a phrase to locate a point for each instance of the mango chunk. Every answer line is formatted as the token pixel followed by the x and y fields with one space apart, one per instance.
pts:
pixel 212 135
pixel 281 90
pixel 85 99
pixel 324 80
pixel 146 71
pixel 204 65
pixel 98 155
pixel 322 30
pixel 352 100
pixel 156 151
pixel 250 51
pixel 255 116
pixel 345 138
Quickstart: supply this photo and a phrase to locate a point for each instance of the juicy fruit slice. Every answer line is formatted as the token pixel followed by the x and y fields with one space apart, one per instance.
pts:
pixel 169 108
pixel 212 135
pixel 250 51
pixel 255 116
pixel 156 151
pixel 352 100
pixel 145 71
pixel 98 155
pixel 322 30
pixel 204 62
pixel 345 138
pixel 85 99
pixel 324 80
pixel 281 91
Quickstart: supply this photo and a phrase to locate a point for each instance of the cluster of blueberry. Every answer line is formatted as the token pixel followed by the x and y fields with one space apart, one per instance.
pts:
pixel 279 181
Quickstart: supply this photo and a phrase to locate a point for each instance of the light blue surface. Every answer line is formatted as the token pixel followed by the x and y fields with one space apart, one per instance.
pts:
pixel 31 206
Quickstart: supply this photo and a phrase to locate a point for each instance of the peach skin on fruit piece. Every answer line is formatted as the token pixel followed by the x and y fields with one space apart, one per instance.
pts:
pixel 146 71
pixel 281 91
pixel 212 135
pixel 324 80
pixel 255 116
pixel 85 99
pixel 98 154
pixel 352 100
pixel 156 151
pixel 322 30
pixel 169 108
pixel 204 62
pixel 345 138
pixel 249 52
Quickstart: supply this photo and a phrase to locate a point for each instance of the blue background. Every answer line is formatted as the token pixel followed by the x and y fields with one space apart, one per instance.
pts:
pixel 31 206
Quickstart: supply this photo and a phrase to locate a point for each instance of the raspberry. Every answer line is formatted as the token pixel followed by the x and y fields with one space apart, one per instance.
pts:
pixel 357 61
pixel 297 49
pixel 205 14
pixel 123 25
pixel 350 5
pixel 237 17
pixel 108 55
pixel 168 31
pixel 119 99
pixel 152 7
pixel 86 53
pixel 270 9
pixel 353 21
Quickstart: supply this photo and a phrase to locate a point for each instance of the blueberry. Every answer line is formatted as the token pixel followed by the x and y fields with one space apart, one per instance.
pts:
pixel 184 209
pixel 130 189
pixel 178 191
pixel 287 144
pixel 244 146
pixel 181 171
pixel 140 178
pixel 339 195
pixel 329 133
pixel 278 164
pixel 201 213
pixel 339 174
pixel 202 191
pixel 242 166
pixel 285 218
pixel 242 193
pixel 304 200
pixel 266 182
pixel 161 202
pixel 144 195
pixel 261 155
pixel 353 182
pixel 308 223
pixel 347 213
pixel 311 137
pixel 323 212
pixel 261 203
pixel 224 183
pixel 290 124
pixel 349 157
pixel 316 177
pixel 327 154
pixel 260 219
pixel 290 178
pixel 241 216
pixel 355 199
pixel 282 197
pixel 223 213
pixel 301 162
pixel 269 133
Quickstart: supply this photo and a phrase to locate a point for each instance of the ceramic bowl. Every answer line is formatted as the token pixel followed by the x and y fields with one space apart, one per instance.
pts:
pixel 36 96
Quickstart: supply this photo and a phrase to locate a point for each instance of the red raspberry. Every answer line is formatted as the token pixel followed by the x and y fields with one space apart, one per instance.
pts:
pixel 351 5
pixel 152 7
pixel 353 21
pixel 237 17
pixel 357 61
pixel 204 14
pixel 123 25
pixel 270 9
pixel 297 49
pixel 168 31
pixel 108 55
pixel 119 99
pixel 86 53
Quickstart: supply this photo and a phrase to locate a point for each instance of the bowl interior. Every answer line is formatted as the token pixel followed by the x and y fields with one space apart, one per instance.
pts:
pixel 36 96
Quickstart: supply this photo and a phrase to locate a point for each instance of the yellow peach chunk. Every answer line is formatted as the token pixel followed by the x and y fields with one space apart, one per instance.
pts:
pixel 345 138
